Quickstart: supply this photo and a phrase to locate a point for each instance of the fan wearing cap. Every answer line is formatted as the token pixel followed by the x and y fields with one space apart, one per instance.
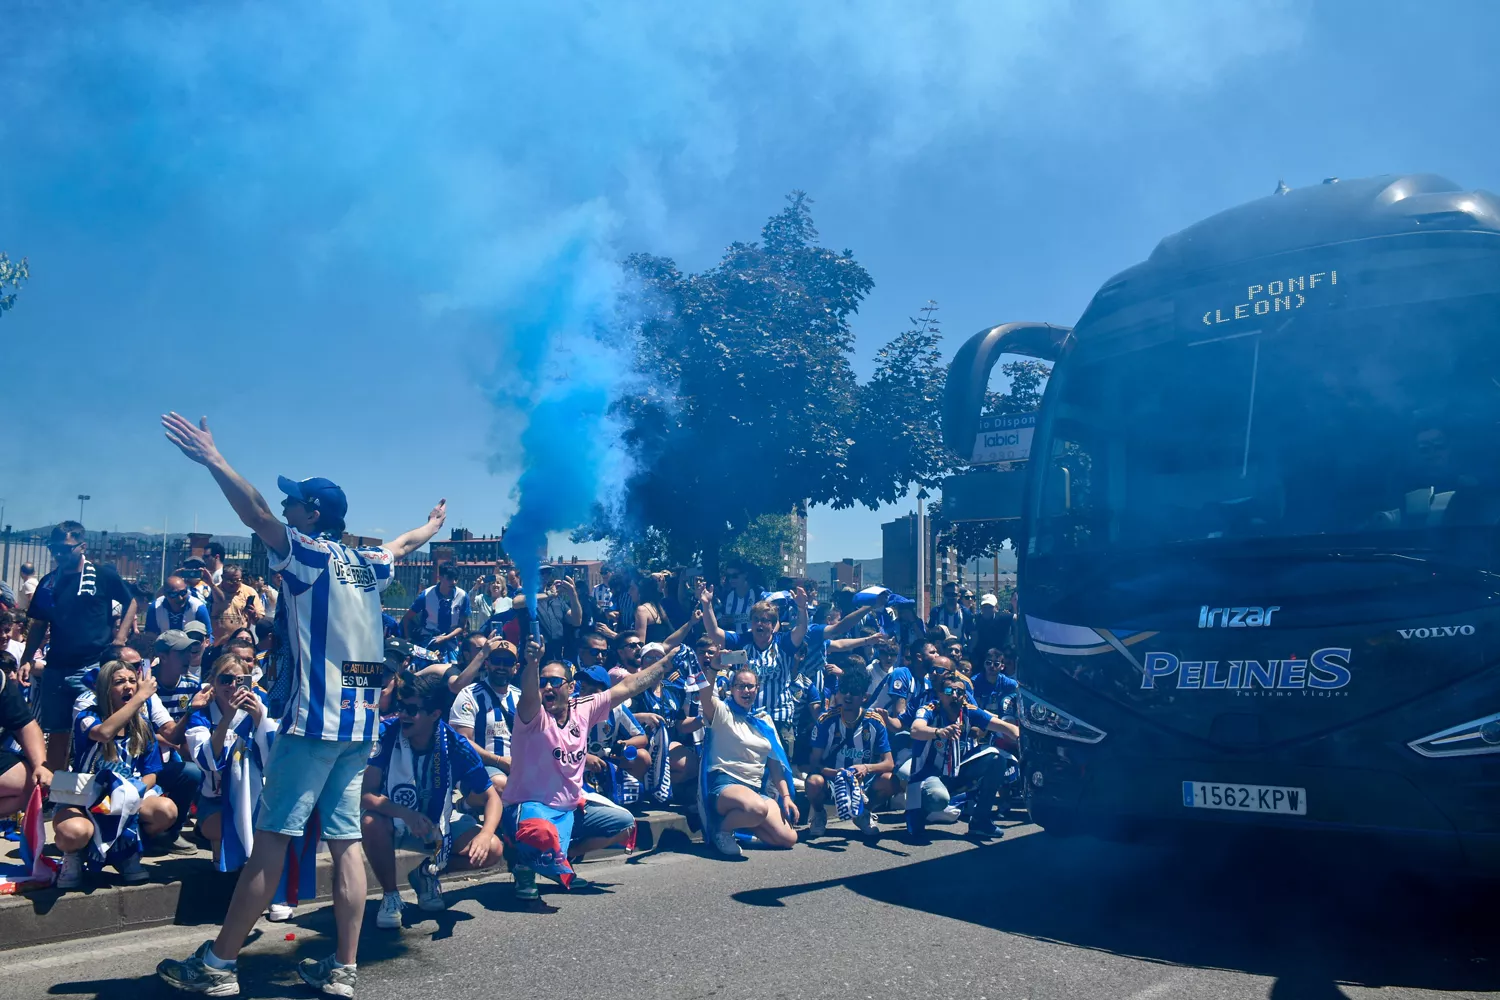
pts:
pixel 484 711
pixel 331 599
pixel 992 628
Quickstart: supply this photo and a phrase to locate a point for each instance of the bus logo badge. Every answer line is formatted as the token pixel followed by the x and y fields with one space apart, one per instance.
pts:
pixel 1235 617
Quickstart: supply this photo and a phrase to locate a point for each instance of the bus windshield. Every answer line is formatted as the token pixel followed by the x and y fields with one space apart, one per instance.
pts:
pixel 1377 428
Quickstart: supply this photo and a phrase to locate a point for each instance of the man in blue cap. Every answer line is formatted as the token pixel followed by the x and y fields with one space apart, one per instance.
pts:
pixel 331 596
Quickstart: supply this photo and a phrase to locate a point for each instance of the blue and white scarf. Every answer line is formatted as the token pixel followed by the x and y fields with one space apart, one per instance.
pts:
pixel 659 778
pixel 848 794
pixel 116 815
pixel 238 774
pixel 401 782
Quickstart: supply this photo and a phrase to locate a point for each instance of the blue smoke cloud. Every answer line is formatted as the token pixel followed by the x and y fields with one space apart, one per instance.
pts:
pixel 482 158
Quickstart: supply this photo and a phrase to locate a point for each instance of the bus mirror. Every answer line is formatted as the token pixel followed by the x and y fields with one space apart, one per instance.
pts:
pixel 1057 495
pixel 984 495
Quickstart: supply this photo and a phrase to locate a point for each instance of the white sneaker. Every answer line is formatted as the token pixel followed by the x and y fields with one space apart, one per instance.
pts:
pixel 71 876
pixel 279 913
pixel 389 917
pixel 865 821
pixel 819 824
pixel 726 845
pixel 948 815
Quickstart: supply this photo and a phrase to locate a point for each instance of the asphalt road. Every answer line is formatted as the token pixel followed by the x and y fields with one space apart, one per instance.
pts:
pixel 1030 916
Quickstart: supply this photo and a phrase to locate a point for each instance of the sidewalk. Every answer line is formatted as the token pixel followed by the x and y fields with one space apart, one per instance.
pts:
pixel 188 891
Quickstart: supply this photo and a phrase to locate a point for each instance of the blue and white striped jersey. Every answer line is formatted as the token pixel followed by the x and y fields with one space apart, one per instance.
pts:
pixel 942 757
pixel 893 686
pixel 619 725
pixel 957 621
pixel 777 667
pixel 865 742
pixel 439 615
pixel 734 611
pixel 160 617
pixel 489 716
pixel 332 595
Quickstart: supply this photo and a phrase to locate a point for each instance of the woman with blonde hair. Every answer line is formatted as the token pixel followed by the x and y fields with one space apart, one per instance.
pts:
pixel 114 734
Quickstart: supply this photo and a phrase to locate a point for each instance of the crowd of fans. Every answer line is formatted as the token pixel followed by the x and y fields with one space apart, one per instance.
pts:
pixel 258 718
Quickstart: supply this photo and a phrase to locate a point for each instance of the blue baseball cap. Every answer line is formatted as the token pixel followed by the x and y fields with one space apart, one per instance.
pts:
pixel 322 495
pixel 596 675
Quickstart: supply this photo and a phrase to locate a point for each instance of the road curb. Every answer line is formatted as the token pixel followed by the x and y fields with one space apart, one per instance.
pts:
pixel 191 892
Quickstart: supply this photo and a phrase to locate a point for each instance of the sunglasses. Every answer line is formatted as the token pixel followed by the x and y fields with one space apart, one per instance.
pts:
pixel 502 661
pixel 409 708
pixel 953 691
pixel 553 682
pixel 227 678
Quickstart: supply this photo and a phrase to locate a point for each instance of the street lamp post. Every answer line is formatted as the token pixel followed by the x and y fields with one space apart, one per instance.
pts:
pixel 81 498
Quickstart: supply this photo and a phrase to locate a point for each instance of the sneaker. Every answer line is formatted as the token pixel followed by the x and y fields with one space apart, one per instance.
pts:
pixel 174 846
pixel 579 882
pixel 726 844
pixel 131 872
pixel 427 887
pixel 525 883
pixel 333 980
pixel 71 875
pixel 194 975
pixel 819 824
pixel 389 917
pixel 279 913
pixel 945 816
pixel 865 821
pixel 898 802
pixel 986 829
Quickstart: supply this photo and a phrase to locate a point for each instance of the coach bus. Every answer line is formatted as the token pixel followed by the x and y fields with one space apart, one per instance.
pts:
pixel 1257 527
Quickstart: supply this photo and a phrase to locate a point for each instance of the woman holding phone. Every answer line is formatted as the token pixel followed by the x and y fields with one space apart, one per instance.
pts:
pixel 229 738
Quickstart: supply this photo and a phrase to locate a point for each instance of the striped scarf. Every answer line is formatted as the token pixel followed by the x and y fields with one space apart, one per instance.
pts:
pixel 848 794
pixel 86 582
pixel 401 780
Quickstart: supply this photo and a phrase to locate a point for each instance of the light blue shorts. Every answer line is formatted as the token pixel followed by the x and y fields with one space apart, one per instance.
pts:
pixel 304 773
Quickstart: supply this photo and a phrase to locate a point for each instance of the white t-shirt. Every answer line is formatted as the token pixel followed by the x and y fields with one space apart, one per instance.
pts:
pixel 736 747
pixel 27 592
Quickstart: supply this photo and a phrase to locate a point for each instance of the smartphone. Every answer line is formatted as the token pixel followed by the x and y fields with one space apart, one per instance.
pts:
pixel 244 682
pixel 732 658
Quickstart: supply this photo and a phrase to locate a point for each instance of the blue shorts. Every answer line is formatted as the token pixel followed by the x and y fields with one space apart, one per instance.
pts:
pixel 717 782
pixel 304 774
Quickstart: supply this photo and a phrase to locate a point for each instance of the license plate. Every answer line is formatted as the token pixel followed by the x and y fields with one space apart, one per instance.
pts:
pixel 1245 798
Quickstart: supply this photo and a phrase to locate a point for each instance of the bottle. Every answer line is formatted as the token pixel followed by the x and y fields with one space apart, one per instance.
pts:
pixel 631 753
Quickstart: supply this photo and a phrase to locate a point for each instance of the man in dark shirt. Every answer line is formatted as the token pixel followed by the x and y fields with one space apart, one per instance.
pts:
pixel 21 751
pixel 74 609
pixel 992 629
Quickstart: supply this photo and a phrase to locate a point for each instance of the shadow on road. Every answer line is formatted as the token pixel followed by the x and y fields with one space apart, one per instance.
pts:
pixel 1308 922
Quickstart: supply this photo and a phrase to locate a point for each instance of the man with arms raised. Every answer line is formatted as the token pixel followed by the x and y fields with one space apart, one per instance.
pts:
pixel 547 817
pixel 330 723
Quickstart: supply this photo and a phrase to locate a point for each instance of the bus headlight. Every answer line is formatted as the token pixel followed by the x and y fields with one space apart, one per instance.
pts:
pixel 1043 717
pixel 1479 736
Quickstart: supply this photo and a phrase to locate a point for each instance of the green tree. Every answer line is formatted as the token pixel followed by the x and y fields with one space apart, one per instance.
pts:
pixel 747 395
pixel 746 406
pixel 759 545
pixel 395 596
pixel 11 274
pixel 898 435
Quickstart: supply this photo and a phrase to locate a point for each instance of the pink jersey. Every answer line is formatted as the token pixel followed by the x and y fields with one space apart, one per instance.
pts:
pixel 546 760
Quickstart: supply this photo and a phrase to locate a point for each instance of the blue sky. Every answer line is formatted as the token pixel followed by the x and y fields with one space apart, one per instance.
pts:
pixel 353 234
